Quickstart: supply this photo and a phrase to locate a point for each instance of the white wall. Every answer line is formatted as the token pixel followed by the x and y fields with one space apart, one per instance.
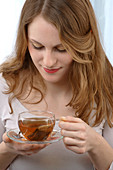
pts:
pixel 9 17
pixel 10 12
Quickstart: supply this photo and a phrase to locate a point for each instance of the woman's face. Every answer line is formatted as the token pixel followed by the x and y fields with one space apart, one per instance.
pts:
pixel 47 53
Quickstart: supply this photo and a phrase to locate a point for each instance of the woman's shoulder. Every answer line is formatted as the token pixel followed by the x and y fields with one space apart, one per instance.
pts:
pixel 3 88
pixel 4 106
pixel 3 83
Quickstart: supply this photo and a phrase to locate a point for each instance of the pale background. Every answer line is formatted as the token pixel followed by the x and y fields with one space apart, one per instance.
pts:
pixel 9 16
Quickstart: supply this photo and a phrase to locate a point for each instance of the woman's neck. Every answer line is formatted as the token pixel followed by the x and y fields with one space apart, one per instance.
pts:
pixel 58 89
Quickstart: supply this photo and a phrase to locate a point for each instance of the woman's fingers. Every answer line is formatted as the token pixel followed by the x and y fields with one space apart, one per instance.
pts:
pixel 76 149
pixel 73 142
pixel 22 148
pixel 71 119
pixel 25 150
pixel 78 136
pixel 6 139
pixel 74 125
pixel 74 134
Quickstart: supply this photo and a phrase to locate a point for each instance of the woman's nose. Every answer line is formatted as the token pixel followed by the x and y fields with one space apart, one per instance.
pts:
pixel 49 59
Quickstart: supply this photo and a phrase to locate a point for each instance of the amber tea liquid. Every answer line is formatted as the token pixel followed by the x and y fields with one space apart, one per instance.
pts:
pixel 36 129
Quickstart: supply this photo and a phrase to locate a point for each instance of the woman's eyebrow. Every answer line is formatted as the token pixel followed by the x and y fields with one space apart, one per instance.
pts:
pixel 32 40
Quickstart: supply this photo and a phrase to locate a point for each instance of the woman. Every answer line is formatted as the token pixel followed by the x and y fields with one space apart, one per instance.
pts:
pixel 59 65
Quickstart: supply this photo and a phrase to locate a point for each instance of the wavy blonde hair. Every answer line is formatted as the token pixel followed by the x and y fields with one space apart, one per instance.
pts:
pixel 91 75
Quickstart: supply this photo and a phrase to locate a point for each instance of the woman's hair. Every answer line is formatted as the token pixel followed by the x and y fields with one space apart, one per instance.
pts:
pixel 91 75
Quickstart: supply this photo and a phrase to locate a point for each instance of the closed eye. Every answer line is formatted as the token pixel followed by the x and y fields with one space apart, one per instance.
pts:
pixel 61 50
pixel 41 47
pixel 37 47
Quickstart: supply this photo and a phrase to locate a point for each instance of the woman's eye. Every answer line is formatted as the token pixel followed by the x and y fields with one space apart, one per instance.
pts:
pixel 61 50
pixel 37 47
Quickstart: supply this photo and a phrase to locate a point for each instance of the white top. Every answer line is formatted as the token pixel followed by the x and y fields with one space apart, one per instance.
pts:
pixel 53 157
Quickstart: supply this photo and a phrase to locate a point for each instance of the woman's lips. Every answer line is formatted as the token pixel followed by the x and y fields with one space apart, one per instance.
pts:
pixel 51 70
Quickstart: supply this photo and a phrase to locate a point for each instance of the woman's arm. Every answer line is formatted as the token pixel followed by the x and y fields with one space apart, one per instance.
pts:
pixel 9 150
pixel 101 153
pixel 6 156
pixel 80 138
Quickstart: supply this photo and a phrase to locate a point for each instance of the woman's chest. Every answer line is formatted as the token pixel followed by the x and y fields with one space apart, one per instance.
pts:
pixel 58 108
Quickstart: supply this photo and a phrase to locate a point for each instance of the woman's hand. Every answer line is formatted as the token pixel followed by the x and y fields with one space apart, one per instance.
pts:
pixel 79 137
pixel 21 148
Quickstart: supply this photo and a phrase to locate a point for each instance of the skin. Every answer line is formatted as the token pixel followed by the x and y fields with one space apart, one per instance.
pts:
pixel 81 138
pixel 47 52
pixel 9 150
pixel 53 63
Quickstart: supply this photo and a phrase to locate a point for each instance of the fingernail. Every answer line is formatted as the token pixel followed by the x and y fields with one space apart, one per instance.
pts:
pixel 63 118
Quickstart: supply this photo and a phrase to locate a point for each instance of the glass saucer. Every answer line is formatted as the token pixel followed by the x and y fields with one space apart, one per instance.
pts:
pixel 14 135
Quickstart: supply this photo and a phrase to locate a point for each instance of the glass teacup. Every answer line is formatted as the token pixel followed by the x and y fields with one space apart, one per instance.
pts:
pixel 36 125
